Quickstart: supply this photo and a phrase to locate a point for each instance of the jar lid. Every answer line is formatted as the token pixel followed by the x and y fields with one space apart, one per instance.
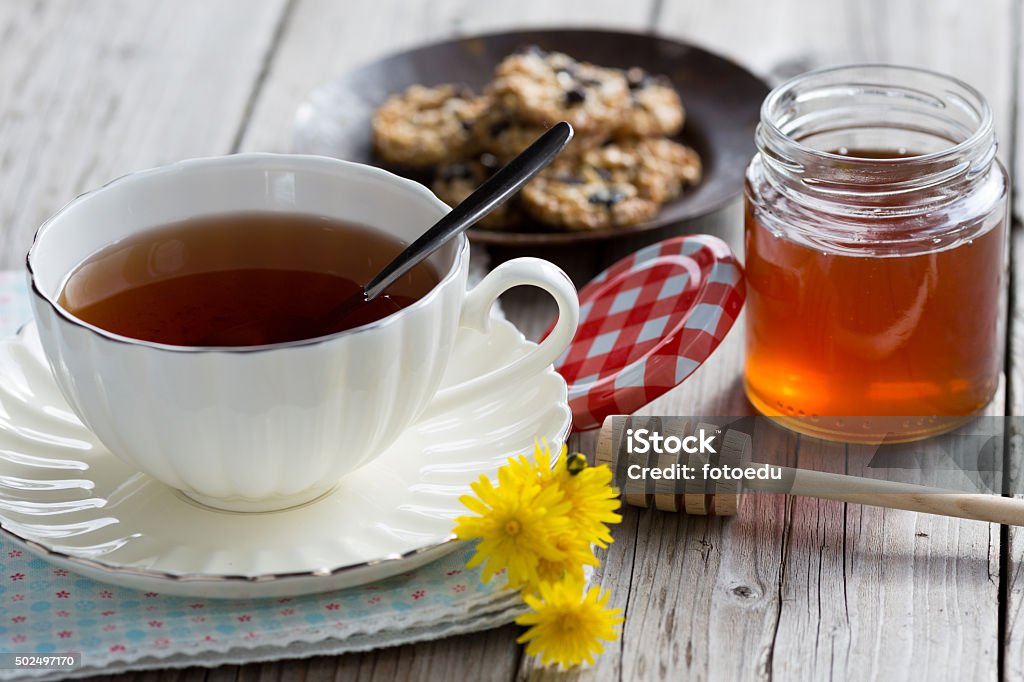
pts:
pixel 647 322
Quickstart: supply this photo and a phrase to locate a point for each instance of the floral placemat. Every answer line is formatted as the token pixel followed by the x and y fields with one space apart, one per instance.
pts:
pixel 48 610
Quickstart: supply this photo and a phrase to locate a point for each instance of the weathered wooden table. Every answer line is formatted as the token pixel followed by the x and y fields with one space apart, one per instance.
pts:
pixel 795 588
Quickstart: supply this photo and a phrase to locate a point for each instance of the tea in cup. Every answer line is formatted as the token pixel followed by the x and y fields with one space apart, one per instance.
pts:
pixel 186 314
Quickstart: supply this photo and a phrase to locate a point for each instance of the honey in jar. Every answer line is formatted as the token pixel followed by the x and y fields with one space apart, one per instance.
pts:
pixel 875 236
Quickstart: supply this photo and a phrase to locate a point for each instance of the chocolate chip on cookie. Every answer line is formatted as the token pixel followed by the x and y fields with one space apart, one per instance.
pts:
pixel 654 106
pixel 545 87
pixel 426 126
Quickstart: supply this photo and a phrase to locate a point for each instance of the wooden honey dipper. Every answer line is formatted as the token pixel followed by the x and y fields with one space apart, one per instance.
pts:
pixel 725 497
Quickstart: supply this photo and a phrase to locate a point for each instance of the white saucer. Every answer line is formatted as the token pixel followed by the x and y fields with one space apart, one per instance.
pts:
pixel 65 498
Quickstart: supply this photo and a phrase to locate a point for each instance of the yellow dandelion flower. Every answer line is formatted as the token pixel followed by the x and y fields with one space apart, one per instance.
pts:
pixel 540 468
pixel 567 626
pixel 517 523
pixel 576 553
pixel 592 501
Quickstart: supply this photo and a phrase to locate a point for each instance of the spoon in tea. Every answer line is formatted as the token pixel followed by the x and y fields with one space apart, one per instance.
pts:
pixel 488 196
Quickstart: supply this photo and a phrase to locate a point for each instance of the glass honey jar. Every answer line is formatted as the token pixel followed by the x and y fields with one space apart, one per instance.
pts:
pixel 876 254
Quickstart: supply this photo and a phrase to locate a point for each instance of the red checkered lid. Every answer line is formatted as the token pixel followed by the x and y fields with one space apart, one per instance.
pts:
pixel 647 323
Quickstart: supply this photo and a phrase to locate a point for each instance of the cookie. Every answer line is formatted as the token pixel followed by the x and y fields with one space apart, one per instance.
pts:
pixel 455 181
pixel 615 185
pixel 654 107
pixel 426 126
pixel 499 132
pixel 579 196
pixel 659 168
pixel 546 87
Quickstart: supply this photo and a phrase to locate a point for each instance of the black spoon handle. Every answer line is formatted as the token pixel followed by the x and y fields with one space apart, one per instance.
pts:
pixel 488 196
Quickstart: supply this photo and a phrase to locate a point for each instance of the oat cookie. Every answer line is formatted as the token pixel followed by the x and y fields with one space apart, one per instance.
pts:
pixel 545 87
pixel 499 132
pixel 579 196
pixel 455 181
pixel 654 106
pixel 426 126
pixel 618 184
pixel 659 168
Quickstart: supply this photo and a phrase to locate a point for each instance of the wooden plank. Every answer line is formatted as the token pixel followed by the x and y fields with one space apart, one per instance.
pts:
pixel 324 38
pixel 1013 623
pixel 661 556
pixel 873 593
pixel 1017 171
pixel 799 588
pixel 1013 576
pixel 855 597
pixel 974 41
pixel 95 90
pixel 489 655
pixel 695 584
pixel 675 609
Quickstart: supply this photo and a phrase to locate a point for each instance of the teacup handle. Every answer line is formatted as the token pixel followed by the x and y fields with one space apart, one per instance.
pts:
pixel 476 314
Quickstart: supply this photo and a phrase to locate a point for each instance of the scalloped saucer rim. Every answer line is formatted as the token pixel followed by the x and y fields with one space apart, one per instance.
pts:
pixel 123 513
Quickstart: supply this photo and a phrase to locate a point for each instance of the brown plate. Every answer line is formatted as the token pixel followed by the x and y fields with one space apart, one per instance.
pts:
pixel 722 103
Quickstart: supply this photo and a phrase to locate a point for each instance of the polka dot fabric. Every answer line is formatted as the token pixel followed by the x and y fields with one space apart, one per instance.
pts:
pixel 48 610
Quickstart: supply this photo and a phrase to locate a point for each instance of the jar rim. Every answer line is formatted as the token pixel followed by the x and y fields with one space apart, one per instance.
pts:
pixel 982 131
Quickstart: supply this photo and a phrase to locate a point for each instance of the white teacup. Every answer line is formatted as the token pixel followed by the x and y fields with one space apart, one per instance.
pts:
pixel 268 427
